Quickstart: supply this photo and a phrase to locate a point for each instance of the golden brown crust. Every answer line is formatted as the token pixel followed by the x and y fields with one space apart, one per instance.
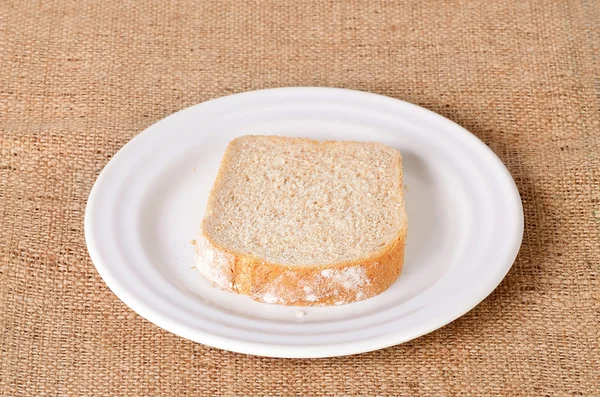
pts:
pixel 335 284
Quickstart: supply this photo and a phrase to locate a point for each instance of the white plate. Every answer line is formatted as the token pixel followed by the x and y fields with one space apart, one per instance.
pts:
pixel 465 223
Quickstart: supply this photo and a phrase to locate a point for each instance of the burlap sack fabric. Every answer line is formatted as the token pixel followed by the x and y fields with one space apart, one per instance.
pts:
pixel 81 78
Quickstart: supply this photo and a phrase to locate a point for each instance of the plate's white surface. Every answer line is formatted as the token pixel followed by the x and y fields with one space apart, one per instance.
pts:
pixel 464 211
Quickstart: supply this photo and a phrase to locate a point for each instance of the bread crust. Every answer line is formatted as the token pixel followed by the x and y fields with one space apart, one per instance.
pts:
pixel 324 285
pixel 334 284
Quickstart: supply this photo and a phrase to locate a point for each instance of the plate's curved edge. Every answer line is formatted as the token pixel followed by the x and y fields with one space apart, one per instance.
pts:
pixel 293 351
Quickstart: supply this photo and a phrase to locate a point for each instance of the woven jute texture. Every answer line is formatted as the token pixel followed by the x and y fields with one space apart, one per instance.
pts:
pixel 79 79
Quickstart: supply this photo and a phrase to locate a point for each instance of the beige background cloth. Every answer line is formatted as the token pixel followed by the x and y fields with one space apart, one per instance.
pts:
pixel 79 78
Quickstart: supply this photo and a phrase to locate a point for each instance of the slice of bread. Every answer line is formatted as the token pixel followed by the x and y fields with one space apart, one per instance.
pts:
pixel 294 221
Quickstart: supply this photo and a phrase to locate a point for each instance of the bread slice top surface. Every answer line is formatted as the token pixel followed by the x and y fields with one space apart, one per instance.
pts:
pixel 299 202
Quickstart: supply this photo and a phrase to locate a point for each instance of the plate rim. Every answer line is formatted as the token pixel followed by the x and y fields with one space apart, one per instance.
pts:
pixel 300 350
